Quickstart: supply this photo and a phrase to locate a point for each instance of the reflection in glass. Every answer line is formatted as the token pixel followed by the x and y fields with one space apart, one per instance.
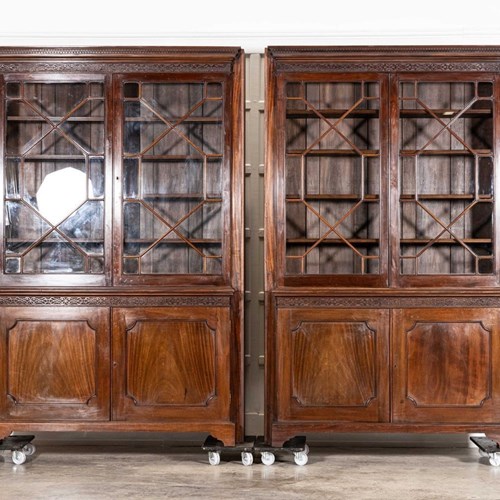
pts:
pixel 61 193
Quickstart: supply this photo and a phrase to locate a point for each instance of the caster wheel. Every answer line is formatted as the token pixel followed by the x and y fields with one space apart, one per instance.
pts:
pixel 301 458
pixel 246 458
pixel 482 453
pixel 267 458
pixel 213 457
pixel 306 449
pixel 18 457
pixel 495 459
pixel 29 449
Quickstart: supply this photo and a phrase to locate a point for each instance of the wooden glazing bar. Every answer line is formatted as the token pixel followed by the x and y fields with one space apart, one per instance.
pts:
pixel 446 113
pixel 448 241
pixel 167 241
pixel 334 152
pixel 98 119
pixel 445 152
pixel 450 197
pixel 332 113
pixel 333 241
pixel 332 197
pixel 172 158
pixel 191 119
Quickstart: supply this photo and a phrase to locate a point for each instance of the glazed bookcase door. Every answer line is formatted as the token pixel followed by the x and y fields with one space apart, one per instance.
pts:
pixel 334 158
pixel 55 200
pixel 445 150
pixel 174 180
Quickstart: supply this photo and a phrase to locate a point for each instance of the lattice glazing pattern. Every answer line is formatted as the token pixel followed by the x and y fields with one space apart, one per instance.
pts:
pixel 332 175
pixel 173 178
pixel 54 178
pixel 446 178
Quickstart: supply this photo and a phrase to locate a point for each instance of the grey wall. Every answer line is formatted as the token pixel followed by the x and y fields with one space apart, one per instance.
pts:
pixel 254 245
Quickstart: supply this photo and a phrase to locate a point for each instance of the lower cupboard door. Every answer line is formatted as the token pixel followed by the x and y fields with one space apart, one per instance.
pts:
pixel 171 363
pixel 446 365
pixel 332 365
pixel 54 364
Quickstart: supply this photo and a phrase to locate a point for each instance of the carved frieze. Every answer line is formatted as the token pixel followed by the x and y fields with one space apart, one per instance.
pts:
pixel 387 67
pixel 388 302
pixel 112 67
pixel 114 301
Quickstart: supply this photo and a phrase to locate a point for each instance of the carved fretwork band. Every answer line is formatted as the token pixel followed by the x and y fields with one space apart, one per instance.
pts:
pixel 116 301
pixel 387 67
pixel 104 67
pixel 388 302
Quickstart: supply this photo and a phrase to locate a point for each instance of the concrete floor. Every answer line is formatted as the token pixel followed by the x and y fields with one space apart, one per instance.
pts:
pixel 146 471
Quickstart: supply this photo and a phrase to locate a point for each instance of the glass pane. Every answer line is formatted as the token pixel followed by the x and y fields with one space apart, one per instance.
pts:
pixel 55 99
pixel 12 265
pixel 446 178
pixel 23 227
pixel 172 257
pixel 54 177
pixel 173 178
pixel 85 227
pixel 13 89
pixel 214 90
pixel 54 255
pixel 12 170
pixel 332 176
pixel 131 90
pixel 130 266
pixel 130 178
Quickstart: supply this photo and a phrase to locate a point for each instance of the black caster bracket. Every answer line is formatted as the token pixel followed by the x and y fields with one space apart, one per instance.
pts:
pixel 297 446
pixel 488 448
pixel 20 446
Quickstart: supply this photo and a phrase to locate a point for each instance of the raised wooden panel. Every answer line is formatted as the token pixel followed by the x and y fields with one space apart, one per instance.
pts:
pixel 444 365
pixel 333 364
pixel 171 363
pixel 57 363
pixel 343 352
pixel 49 361
pixel 448 364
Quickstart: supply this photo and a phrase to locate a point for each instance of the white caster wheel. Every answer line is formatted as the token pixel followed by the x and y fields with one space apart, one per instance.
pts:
pixel 29 449
pixel 495 459
pixel 267 458
pixel 246 458
pixel 18 457
pixel 213 457
pixel 301 458
pixel 306 449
